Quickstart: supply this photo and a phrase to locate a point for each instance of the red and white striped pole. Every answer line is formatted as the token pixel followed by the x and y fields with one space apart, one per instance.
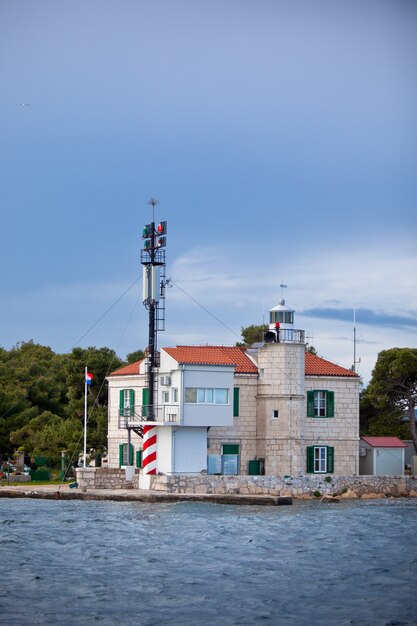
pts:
pixel 149 450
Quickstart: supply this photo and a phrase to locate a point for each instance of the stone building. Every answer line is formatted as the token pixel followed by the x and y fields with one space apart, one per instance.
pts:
pixel 270 409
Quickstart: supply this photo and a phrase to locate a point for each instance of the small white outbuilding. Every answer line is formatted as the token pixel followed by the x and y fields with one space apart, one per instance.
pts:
pixel 381 456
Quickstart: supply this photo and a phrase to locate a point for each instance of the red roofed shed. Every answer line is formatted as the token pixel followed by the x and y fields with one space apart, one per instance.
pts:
pixel 381 456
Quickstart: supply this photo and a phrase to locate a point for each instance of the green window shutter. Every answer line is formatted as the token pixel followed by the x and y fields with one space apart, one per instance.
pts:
pixel 236 402
pixel 131 454
pixel 310 459
pixel 132 401
pixel 121 455
pixel 138 458
pixel 310 403
pixel 330 460
pixel 145 401
pixel 121 401
pixel 329 403
pixel 231 448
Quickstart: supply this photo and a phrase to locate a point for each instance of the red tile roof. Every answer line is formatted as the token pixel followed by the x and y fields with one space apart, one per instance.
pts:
pixel 214 355
pixel 132 368
pixel 232 355
pixel 384 442
pixel 316 366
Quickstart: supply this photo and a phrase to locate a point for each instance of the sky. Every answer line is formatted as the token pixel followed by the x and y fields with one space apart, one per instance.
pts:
pixel 279 137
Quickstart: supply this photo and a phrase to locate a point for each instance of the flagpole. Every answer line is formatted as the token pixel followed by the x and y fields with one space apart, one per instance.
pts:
pixel 85 417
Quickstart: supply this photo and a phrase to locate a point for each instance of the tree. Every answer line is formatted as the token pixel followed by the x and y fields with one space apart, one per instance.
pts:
pixel 32 380
pixel 132 357
pixel 42 398
pixel 392 392
pixel 100 362
pixel 47 435
pixel 252 334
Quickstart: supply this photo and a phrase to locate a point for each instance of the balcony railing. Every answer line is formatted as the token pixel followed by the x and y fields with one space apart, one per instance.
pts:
pixel 291 335
pixel 130 417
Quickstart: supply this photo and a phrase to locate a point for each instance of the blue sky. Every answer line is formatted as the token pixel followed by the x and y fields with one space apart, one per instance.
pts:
pixel 280 138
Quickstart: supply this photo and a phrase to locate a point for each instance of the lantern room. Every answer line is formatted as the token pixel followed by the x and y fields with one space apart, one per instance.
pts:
pixel 281 326
pixel 282 315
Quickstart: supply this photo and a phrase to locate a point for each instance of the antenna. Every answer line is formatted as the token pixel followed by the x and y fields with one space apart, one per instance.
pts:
pixel 355 361
pixel 283 286
pixel 154 283
pixel 153 202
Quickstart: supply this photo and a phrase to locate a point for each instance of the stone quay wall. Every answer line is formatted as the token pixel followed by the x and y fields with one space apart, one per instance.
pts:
pixel 105 478
pixel 300 487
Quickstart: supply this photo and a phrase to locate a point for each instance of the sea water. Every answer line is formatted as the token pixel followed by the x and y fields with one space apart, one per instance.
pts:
pixel 90 562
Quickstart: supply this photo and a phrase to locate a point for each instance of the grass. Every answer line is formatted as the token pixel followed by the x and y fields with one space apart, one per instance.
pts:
pixel 52 481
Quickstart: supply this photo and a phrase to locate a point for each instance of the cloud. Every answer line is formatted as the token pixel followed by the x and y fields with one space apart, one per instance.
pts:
pixel 364 316
pixel 238 286
pixel 217 290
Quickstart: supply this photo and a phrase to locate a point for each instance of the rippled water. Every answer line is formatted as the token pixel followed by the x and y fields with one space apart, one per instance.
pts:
pixel 198 563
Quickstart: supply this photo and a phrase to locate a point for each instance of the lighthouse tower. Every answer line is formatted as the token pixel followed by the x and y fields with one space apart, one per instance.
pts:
pixel 281 399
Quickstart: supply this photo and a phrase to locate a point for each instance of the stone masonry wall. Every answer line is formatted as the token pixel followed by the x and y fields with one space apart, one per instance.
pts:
pixel 301 487
pixel 105 478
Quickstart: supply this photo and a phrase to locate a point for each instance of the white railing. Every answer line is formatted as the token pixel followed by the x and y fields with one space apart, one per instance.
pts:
pixel 139 415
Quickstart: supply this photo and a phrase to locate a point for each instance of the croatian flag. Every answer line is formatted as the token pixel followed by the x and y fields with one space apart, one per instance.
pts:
pixel 88 378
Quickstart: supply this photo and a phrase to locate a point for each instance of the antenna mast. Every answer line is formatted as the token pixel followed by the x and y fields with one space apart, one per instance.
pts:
pixel 154 283
pixel 355 362
pixel 283 286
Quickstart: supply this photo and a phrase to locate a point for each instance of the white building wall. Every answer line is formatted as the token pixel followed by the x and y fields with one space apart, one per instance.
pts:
pixel 389 461
pixel 164 461
pixel 366 462
pixel 205 376
pixel 190 450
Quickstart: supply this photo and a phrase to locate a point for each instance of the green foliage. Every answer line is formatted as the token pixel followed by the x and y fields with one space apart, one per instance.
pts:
pixel 132 357
pixel 252 334
pixel 387 404
pixel 317 494
pixel 42 399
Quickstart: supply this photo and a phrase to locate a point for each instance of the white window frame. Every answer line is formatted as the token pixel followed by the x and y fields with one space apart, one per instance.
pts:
pixel 207 395
pixel 126 398
pixel 320 459
pixel 175 395
pixel 165 397
pixel 275 414
pixel 320 404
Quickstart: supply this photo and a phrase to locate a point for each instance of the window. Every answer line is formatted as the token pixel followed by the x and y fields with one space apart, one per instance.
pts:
pixel 204 395
pixel 275 414
pixel 226 463
pixel 165 397
pixel 320 403
pixel 123 460
pixel 127 402
pixel 190 395
pixel 283 317
pixel 220 396
pixel 320 460
pixel 175 395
